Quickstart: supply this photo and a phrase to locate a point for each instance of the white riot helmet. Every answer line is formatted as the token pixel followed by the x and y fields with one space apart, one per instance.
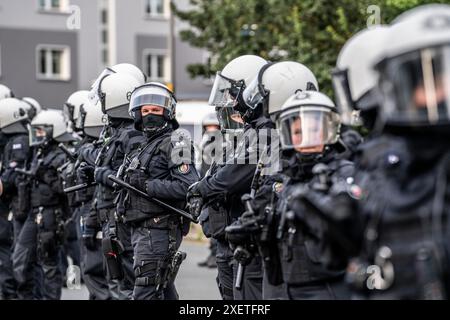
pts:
pixel 114 92
pixel 354 77
pixel 153 94
pixel 210 120
pixel 92 120
pixel 126 68
pixel 73 104
pixel 275 83
pixel 13 116
pixel 5 92
pixel 308 122
pixel 415 69
pixel 34 107
pixel 229 85
pixel 48 125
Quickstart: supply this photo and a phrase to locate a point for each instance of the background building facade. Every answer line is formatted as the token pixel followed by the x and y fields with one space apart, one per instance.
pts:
pixel 51 48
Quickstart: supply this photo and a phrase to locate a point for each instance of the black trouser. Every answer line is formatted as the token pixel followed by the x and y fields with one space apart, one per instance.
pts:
pixel 323 290
pixel 91 263
pixel 7 282
pixel 271 292
pixel 49 243
pixel 122 289
pixel 154 245
pixel 224 259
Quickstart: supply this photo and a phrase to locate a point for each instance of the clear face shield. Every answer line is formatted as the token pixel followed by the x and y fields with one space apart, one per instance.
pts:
pixel 254 94
pixel 40 134
pixel 416 88
pixel 94 96
pixel 229 118
pixel 79 121
pixel 225 92
pixel 309 129
pixel 68 110
pixel 344 102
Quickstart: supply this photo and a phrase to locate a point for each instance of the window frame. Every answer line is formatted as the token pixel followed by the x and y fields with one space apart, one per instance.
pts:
pixel 155 15
pixel 155 53
pixel 64 7
pixel 66 74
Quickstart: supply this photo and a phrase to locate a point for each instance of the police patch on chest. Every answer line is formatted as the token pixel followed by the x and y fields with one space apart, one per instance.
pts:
pixel 184 168
pixel 17 146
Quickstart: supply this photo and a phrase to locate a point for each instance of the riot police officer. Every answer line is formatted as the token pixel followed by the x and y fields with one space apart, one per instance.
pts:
pixel 309 126
pixel 399 218
pixel 13 122
pixel 233 179
pixel 41 237
pixel 113 92
pixel 162 167
pixel 91 122
pixel 273 86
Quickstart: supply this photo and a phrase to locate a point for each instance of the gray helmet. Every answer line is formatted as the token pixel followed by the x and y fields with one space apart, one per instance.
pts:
pixel 275 83
pixel 354 78
pixel 414 81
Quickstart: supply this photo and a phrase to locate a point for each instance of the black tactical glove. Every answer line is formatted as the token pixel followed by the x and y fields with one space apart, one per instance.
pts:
pixel 137 179
pixel 85 173
pixel 194 200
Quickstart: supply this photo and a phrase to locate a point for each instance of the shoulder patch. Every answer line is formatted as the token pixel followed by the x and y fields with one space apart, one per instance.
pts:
pixel 183 168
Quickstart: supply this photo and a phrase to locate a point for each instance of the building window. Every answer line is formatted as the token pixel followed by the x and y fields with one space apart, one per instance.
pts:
pixel 0 60
pixel 155 65
pixel 104 16
pixel 54 5
pixel 154 7
pixel 105 55
pixel 53 63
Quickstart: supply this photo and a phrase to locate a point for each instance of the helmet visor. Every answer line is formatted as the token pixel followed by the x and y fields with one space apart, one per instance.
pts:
pixel 40 134
pixel 344 102
pixel 225 92
pixel 416 88
pixel 229 119
pixel 309 129
pixel 253 95
pixel 152 96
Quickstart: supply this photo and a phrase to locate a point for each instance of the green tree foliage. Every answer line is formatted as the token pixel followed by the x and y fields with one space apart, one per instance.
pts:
pixel 309 31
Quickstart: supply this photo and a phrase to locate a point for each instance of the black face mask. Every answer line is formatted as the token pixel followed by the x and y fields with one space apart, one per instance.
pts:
pixel 153 121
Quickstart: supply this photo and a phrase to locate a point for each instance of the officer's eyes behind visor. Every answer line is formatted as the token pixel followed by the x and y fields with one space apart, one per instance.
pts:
pixel 418 87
